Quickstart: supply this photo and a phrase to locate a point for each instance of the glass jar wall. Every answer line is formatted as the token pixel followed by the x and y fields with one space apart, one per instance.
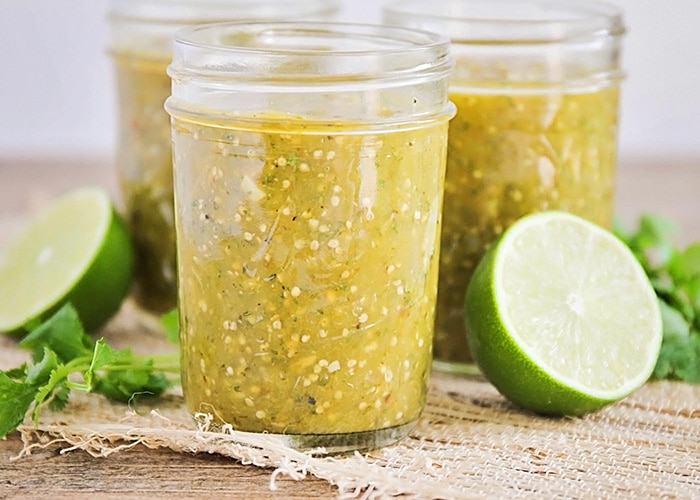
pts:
pixel 309 164
pixel 536 85
pixel 141 46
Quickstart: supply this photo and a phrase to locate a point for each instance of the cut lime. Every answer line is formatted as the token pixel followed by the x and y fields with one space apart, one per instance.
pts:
pixel 561 317
pixel 76 250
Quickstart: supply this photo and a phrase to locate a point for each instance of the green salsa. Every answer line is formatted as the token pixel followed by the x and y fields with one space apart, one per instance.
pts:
pixel 144 165
pixel 308 260
pixel 511 154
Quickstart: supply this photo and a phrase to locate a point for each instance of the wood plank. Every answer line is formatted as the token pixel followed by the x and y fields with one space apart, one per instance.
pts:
pixel 141 473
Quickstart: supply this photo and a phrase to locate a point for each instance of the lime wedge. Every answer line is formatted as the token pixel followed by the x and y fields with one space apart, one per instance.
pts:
pixel 76 250
pixel 561 316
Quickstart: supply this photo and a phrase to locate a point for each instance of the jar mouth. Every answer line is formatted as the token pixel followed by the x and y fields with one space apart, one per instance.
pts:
pixel 308 51
pixel 189 12
pixel 510 21
pixel 310 38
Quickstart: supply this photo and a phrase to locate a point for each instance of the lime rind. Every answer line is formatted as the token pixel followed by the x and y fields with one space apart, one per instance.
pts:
pixel 541 374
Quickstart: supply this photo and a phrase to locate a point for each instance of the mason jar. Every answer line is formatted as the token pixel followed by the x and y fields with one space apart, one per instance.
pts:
pixel 536 85
pixel 309 166
pixel 141 44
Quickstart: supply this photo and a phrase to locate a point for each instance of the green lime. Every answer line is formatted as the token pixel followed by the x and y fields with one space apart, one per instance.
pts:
pixel 561 316
pixel 76 250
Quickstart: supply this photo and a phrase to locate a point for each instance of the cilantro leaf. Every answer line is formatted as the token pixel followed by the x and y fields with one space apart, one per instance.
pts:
pixel 171 324
pixel 675 275
pixel 15 400
pixel 40 373
pixel 127 375
pixel 679 360
pixel 63 333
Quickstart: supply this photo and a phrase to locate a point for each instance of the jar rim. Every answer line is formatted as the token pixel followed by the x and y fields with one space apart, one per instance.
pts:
pixel 402 38
pixel 313 51
pixel 510 21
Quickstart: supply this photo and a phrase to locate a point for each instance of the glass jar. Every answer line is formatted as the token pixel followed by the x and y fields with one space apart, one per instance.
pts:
pixel 309 166
pixel 536 86
pixel 141 45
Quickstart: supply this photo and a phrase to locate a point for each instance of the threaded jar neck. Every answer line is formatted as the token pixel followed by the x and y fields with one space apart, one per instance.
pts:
pixel 320 71
pixel 523 42
pixel 149 25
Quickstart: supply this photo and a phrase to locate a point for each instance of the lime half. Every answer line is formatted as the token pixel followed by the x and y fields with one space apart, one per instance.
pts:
pixel 76 250
pixel 562 318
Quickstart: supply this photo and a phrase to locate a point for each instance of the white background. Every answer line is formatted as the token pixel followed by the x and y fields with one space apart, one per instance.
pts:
pixel 57 94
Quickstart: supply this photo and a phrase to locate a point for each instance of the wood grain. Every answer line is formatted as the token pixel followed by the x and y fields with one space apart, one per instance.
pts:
pixel 141 473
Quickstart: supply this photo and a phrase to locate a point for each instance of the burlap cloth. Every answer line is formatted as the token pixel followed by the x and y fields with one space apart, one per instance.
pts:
pixel 470 442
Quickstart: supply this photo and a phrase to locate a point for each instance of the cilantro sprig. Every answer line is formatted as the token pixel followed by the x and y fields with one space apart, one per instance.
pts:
pixel 65 358
pixel 675 276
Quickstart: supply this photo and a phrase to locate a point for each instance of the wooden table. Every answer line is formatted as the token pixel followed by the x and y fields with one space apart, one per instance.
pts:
pixel 667 186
